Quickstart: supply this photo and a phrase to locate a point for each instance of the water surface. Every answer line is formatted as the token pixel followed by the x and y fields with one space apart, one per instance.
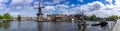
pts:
pixel 45 26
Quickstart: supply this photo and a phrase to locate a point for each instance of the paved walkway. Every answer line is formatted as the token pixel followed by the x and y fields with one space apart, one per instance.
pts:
pixel 117 26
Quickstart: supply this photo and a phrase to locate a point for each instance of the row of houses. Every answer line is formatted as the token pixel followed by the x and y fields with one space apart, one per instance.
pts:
pixel 76 17
pixel 25 18
pixel 64 17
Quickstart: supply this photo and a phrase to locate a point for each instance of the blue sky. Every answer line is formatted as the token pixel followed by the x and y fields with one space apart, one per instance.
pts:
pixel 26 8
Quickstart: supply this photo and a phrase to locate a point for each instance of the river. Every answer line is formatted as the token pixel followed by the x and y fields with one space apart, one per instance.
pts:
pixel 46 26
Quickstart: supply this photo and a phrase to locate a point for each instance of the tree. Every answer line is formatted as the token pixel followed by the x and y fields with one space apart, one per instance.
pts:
pixel 7 16
pixel 1 17
pixel 113 17
pixel 19 18
pixel 93 17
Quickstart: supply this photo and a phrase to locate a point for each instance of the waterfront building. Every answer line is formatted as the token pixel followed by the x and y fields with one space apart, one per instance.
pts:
pixel 57 17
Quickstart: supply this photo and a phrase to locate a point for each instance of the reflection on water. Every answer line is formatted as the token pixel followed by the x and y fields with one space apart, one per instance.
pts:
pixel 5 26
pixel 41 26
pixel 57 26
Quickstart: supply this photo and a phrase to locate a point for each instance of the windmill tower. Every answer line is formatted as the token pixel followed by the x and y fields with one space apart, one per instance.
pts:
pixel 39 14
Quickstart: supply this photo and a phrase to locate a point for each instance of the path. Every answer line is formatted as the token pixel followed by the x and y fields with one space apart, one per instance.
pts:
pixel 117 26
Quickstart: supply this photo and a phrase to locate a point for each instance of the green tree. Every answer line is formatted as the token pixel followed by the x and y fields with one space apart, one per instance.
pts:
pixel 1 17
pixel 19 18
pixel 7 16
pixel 93 17
pixel 113 17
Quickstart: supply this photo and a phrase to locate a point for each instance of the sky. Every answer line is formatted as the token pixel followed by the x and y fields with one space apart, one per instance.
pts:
pixel 28 8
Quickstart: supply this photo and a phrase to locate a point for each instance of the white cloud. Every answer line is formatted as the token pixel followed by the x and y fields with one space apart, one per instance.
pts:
pixel 18 7
pixel 48 2
pixel 57 1
pixel 66 3
pixel 53 1
pixel 72 5
pixel 110 1
pixel 2 6
pixel 4 1
pixel 14 11
pixel 63 8
pixel 49 8
pixel 21 2
pixel 59 6
pixel 102 10
pixel 80 0
pixel 15 14
pixel 22 7
pixel 117 3
pixel 89 7
pixel 97 8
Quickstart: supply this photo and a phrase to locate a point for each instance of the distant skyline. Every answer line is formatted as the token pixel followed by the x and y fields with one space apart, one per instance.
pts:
pixel 101 8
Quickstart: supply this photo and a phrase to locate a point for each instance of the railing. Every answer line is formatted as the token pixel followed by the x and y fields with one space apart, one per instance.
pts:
pixel 113 25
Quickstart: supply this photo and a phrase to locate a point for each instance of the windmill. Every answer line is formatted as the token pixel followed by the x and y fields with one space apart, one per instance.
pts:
pixel 39 14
